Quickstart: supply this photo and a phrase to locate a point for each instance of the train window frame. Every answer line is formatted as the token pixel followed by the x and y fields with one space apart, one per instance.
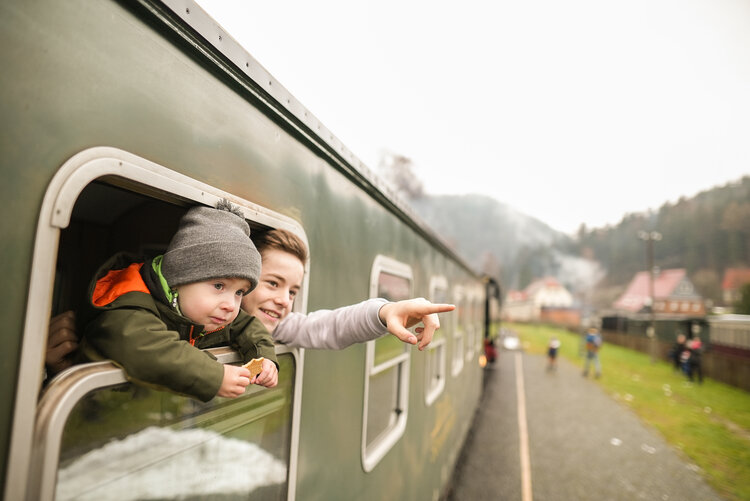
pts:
pixel 436 350
pixel 76 383
pixel 459 337
pixel 122 169
pixel 373 453
pixel 480 318
pixel 470 340
pixel 478 321
pixel 472 319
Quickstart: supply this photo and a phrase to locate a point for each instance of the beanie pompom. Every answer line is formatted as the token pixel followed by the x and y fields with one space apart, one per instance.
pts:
pixel 228 206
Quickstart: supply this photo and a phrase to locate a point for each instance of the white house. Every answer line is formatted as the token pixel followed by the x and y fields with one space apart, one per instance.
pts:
pixel 528 305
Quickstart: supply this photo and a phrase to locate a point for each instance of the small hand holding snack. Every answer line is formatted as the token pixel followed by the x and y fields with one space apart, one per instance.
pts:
pixel 401 315
pixel 234 382
pixel 263 372
pixel 257 371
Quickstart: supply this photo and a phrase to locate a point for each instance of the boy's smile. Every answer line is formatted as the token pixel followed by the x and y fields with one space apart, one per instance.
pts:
pixel 212 303
pixel 280 281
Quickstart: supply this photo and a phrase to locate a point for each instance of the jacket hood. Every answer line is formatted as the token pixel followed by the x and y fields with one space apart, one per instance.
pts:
pixel 120 275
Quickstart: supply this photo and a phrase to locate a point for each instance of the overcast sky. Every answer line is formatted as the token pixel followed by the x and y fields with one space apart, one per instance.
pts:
pixel 572 112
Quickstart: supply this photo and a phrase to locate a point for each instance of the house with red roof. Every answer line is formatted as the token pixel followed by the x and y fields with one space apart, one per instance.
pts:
pixel 734 279
pixel 674 294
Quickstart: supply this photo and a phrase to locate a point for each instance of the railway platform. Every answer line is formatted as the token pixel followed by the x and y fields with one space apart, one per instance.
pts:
pixel 564 439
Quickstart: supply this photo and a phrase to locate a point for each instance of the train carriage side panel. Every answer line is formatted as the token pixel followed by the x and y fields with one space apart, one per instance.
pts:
pixel 128 75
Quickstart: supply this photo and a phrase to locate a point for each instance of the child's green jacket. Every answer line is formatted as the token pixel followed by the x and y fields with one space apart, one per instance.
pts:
pixel 139 330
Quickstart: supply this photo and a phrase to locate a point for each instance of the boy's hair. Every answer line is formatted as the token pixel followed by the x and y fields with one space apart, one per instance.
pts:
pixel 211 243
pixel 283 240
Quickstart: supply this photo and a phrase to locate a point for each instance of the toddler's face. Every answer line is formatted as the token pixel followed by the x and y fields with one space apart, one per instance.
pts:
pixel 281 277
pixel 213 303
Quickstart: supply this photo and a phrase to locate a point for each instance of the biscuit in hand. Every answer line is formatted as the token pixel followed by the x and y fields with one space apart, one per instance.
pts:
pixel 255 366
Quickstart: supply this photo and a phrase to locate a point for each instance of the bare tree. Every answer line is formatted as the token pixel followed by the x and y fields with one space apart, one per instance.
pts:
pixel 398 171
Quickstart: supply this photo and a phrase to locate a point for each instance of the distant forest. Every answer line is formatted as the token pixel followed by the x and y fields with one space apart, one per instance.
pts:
pixel 705 234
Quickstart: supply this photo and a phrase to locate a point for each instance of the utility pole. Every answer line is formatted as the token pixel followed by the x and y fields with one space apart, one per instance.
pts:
pixel 650 238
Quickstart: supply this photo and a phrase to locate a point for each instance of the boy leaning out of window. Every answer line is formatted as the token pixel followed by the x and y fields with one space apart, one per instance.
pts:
pixel 155 316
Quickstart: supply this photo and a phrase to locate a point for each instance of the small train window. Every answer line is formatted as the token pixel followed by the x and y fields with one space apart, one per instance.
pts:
pixel 479 318
pixel 468 321
pixel 386 371
pixel 459 331
pixel 435 356
pixel 472 322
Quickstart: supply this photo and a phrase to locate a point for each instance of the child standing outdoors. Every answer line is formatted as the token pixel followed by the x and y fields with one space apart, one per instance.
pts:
pixel 156 316
pixel 552 347
pixel 593 342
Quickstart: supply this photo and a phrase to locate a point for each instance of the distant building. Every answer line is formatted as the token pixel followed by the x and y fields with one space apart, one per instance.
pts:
pixel 545 300
pixel 674 294
pixel 734 279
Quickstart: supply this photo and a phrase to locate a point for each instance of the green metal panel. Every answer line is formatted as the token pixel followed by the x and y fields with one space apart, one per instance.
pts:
pixel 78 74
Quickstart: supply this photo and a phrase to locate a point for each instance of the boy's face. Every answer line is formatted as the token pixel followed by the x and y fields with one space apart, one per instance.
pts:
pixel 213 303
pixel 280 281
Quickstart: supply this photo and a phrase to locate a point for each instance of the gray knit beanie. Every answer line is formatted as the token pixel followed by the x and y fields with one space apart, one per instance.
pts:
pixel 211 243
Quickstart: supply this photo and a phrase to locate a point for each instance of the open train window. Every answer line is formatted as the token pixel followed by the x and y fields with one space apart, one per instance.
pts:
pixel 386 370
pixel 94 431
pixel 435 356
pixel 459 331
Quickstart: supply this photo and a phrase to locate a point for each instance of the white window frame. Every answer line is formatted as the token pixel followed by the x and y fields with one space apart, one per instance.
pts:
pixel 472 323
pixel 436 350
pixel 458 338
pixel 468 323
pixel 479 317
pixel 29 437
pixel 372 454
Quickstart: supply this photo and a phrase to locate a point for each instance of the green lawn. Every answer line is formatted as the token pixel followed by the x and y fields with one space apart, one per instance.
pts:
pixel 709 423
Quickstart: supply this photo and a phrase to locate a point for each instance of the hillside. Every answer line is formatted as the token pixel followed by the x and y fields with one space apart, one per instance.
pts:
pixel 474 224
pixel 504 243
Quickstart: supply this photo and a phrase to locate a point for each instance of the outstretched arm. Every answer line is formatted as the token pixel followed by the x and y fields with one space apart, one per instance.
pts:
pixel 332 329
pixel 401 315
pixel 359 323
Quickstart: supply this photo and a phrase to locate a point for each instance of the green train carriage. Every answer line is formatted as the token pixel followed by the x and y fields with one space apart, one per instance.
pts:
pixel 118 116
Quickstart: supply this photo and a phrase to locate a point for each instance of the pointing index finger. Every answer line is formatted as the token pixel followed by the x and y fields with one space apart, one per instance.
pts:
pixel 440 308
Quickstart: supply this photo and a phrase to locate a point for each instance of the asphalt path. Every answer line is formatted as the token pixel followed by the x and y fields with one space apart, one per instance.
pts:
pixel 578 442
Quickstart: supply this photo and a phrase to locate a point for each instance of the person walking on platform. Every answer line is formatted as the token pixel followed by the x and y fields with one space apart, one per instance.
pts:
pixel 593 343
pixel 676 352
pixel 694 360
pixel 554 345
